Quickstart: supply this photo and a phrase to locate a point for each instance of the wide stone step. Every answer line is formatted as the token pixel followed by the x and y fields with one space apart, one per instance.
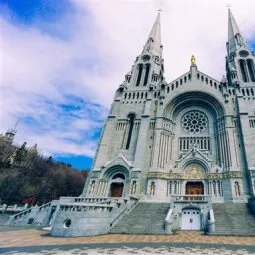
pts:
pixel 146 218
pixel 234 219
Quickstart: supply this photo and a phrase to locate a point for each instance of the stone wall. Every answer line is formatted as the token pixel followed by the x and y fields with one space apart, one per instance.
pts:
pixel 251 204
pixel 87 219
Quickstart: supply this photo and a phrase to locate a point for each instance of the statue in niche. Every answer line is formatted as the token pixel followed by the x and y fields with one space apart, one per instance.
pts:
pixel 133 188
pixel 237 189
pixel 152 188
pixel 92 187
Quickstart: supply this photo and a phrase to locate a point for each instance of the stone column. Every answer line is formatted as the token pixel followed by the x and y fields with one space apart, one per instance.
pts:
pixel 231 143
pixel 156 144
pixel 105 143
pixel 140 153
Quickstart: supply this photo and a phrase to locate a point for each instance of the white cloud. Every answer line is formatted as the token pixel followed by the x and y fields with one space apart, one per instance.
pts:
pixel 42 72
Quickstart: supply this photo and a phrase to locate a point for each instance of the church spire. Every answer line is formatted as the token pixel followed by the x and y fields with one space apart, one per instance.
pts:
pixel 235 39
pixel 153 44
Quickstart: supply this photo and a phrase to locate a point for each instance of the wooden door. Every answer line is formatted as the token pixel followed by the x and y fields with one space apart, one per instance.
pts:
pixel 194 188
pixel 117 189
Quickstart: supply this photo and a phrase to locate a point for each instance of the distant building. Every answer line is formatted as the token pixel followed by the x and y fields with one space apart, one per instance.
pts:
pixel 13 154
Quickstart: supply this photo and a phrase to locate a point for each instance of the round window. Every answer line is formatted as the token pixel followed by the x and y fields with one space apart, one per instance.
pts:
pixel 67 223
pixel 194 122
pixel 243 53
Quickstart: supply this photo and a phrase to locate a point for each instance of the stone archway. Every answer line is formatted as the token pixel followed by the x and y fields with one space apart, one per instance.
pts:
pixel 117 185
pixel 194 186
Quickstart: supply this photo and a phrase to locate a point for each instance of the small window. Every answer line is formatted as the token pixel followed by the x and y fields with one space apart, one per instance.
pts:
pixel 30 220
pixel 67 223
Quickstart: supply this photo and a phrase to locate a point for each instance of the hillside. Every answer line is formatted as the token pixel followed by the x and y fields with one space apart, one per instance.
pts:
pixel 27 177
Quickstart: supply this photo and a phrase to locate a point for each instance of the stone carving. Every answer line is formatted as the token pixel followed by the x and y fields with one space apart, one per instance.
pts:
pixel 194 174
pixel 235 174
pixel 194 171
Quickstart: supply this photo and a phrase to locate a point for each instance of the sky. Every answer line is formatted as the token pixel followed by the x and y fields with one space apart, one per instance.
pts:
pixel 62 60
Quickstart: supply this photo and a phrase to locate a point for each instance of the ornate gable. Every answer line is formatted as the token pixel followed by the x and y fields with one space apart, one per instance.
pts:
pixel 119 160
pixel 194 154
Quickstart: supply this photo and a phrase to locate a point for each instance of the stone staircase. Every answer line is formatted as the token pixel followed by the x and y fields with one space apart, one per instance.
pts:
pixel 234 219
pixel 145 218
pixel 33 216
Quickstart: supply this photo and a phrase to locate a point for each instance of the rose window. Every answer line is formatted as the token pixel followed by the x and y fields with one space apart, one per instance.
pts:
pixel 194 122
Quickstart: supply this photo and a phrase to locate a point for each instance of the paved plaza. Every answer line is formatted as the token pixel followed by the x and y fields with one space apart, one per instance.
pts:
pixel 35 241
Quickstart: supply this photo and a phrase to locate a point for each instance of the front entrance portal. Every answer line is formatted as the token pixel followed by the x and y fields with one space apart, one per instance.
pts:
pixel 116 189
pixel 191 219
pixel 194 188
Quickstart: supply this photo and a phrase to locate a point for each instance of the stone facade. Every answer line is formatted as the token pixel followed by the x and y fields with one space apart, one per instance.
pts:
pixel 188 143
pixel 161 137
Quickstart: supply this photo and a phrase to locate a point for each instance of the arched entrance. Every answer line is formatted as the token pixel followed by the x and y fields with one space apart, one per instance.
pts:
pixel 191 219
pixel 117 185
pixel 194 188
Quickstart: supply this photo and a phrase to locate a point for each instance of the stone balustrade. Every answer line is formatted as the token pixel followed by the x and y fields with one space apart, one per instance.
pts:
pixel 13 208
pixel 86 208
pixel 88 216
pixel 189 198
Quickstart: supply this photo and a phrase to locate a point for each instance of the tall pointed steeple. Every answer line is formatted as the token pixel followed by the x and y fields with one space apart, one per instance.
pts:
pixel 235 39
pixel 148 68
pixel 240 60
pixel 153 44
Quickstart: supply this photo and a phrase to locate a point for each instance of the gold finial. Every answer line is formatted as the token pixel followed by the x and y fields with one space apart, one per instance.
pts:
pixel 193 60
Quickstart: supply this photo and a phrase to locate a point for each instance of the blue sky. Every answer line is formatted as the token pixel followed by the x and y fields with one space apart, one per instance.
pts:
pixel 63 60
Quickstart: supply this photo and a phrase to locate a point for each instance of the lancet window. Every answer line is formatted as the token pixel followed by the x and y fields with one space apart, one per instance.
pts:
pixel 244 72
pixel 251 69
pixel 147 70
pixel 131 118
pixel 140 70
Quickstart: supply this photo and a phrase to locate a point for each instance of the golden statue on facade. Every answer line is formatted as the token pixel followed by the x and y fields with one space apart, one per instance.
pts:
pixel 193 60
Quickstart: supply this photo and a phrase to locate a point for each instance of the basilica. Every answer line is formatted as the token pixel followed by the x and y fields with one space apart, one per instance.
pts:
pixel 172 155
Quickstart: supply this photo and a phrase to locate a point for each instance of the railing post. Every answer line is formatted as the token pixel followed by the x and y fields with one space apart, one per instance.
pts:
pixel 211 222
pixel 168 222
